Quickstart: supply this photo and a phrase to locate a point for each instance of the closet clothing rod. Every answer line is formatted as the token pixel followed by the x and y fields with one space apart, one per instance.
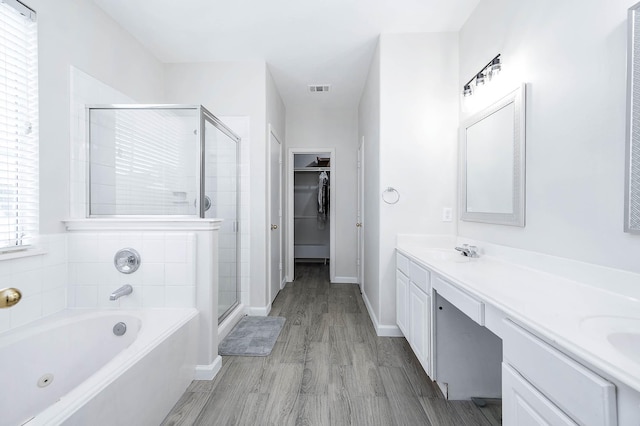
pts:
pixel 313 169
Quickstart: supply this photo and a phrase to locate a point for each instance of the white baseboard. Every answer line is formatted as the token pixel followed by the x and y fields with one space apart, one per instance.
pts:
pixel 389 331
pixel 259 312
pixel 345 280
pixel 381 330
pixel 283 283
pixel 208 372
pixel 444 388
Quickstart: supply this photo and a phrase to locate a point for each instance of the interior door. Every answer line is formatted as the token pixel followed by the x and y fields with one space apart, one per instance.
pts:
pixel 359 219
pixel 275 215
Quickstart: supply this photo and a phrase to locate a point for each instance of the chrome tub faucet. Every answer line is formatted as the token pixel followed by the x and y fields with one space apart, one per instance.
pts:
pixel 122 291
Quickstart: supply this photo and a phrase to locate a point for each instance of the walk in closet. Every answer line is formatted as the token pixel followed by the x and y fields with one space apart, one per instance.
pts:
pixel 311 206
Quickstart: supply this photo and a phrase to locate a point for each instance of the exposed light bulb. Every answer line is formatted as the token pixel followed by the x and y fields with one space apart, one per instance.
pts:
pixel 495 68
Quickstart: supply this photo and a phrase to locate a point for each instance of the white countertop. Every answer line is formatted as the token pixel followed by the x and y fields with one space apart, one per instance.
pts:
pixel 577 317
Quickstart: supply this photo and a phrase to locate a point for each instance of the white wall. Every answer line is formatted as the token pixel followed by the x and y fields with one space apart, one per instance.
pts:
pixel 418 111
pixel 369 131
pixel 573 55
pixel 78 33
pixel 318 127
pixel 235 89
pixel 418 139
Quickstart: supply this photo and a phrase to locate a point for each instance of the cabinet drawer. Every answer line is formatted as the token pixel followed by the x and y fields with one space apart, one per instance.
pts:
pixel 522 404
pixel 579 392
pixel 419 276
pixel 471 306
pixel 402 263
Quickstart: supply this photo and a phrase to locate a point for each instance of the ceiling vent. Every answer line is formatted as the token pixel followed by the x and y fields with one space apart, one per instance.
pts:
pixel 317 88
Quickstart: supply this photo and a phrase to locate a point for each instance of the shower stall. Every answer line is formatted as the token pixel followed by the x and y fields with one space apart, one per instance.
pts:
pixel 168 161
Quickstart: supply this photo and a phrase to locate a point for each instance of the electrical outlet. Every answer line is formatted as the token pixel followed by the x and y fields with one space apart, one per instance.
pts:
pixel 447 214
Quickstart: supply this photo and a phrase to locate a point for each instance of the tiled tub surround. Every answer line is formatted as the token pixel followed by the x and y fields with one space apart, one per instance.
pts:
pixel 42 279
pixel 178 269
pixel 166 277
pixel 554 299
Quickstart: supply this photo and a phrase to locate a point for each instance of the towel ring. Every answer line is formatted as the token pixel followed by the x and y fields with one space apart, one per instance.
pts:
pixel 390 195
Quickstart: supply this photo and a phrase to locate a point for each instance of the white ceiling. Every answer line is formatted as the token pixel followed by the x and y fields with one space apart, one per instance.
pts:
pixel 324 42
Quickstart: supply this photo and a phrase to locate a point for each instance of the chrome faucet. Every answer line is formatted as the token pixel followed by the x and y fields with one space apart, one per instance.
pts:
pixel 469 251
pixel 122 291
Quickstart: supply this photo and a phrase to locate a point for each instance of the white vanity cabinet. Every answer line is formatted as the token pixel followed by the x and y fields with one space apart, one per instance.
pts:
pixel 413 307
pixel 487 328
pixel 419 322
pixel 402 302
pixel 562 392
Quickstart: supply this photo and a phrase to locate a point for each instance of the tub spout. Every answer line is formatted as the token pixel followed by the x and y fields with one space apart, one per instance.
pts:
pixel 122 291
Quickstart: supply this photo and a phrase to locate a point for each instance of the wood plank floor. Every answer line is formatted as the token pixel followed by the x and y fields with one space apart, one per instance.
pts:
pixel 328 367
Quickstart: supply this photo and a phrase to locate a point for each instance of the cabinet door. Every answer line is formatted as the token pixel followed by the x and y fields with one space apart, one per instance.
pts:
pixel 523 405
pixel 419 324
pixel 402 301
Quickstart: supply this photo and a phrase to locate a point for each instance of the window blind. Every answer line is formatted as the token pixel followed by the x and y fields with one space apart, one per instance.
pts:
pixel 18 126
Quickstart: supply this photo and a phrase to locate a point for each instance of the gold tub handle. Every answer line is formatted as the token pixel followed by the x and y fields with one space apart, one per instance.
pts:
pixel 9 297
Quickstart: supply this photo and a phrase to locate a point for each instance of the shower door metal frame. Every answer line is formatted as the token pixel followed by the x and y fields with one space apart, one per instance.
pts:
pixel 203 115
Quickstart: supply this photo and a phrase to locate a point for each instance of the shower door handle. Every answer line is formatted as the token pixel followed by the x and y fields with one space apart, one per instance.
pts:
pixel 207 203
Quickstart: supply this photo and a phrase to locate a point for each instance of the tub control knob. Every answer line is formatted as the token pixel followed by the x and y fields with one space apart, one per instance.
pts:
pixel 127 260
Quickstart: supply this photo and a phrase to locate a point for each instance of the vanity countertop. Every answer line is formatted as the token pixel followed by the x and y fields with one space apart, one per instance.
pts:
pixel 581 319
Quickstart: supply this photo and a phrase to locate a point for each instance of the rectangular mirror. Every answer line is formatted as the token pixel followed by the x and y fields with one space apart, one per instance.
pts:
pixel 492 163
pixel 632 174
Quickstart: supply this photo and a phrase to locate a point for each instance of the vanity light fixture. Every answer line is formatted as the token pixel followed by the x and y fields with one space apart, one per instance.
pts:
pixel 489 71
pixel 480 79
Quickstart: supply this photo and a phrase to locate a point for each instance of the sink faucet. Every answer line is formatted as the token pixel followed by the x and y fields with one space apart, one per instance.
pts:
pixel 469 251
pixel 122 291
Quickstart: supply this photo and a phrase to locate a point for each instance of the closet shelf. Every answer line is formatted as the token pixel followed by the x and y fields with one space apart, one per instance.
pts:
pixel 312 169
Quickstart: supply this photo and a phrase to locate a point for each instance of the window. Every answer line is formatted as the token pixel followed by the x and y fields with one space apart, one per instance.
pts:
pixel 18 126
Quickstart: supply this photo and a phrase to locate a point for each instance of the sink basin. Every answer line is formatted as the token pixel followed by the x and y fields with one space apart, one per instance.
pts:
pixel 627 343
pixel 623 333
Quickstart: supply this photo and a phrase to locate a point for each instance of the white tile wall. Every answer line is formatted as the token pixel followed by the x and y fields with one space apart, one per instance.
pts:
pixel 166 277
pixel 42 279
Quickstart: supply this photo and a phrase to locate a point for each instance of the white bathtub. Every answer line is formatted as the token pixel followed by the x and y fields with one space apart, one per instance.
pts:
pixel 93 377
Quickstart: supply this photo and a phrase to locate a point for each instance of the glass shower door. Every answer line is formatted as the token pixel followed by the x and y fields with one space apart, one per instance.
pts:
pixel 221 201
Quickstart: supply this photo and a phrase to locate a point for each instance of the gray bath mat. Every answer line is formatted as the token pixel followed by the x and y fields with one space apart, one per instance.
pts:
pixel 252 336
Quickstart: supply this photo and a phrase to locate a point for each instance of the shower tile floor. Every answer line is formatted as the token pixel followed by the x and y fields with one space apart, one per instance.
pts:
pixel 328 367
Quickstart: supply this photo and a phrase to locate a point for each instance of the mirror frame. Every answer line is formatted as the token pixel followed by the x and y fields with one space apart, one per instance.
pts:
pixel 518 99
pixel 632 168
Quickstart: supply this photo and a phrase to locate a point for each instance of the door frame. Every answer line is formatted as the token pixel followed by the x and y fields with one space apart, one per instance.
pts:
pixel 274 135
pixel 332 209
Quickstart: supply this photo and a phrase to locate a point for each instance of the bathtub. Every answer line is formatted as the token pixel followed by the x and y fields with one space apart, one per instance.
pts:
pixel 70 368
